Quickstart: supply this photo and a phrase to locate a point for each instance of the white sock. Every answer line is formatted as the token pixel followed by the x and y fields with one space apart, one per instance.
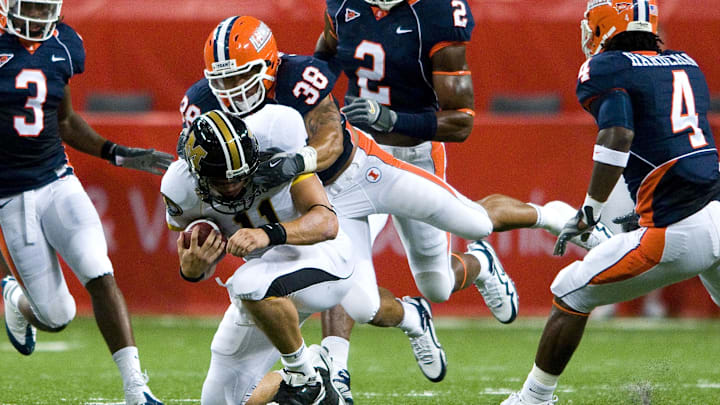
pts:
pixel 13 294
pixel 128 363
pixel 339 349
pixel 298 361
pixel 484 273
pixel 410 323
pixel 539 386
pixel 540 222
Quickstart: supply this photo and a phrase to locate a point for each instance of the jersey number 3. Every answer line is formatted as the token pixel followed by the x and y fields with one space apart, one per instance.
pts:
pixel 35 103
pixel 683 96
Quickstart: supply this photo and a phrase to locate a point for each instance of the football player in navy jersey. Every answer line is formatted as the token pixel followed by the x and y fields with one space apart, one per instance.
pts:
pixel 651 110
pixel 44 209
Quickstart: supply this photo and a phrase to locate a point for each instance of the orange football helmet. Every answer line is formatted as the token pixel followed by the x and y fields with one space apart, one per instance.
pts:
pixel 32 20
pixel 606 18
pixel 241 62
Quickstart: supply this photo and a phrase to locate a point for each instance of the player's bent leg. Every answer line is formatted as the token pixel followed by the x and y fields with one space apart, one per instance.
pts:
pixel 428 351
pixel 493 283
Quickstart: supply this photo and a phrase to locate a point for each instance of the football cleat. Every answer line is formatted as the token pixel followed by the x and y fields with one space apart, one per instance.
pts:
pixel 428 352
pixel 498 290
pixel 21 333
pixel 516 399
pixel 341 381
pixel 138 393
pixel 299 389
pixel 599 234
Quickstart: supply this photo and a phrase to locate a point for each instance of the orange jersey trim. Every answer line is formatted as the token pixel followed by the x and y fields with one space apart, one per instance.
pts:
pixel 645 52
pixel 332 23
pixel 645 193
pixel 444 44
pixel 467 111
pixel 456 73
pixel 637 261
pixel 412 2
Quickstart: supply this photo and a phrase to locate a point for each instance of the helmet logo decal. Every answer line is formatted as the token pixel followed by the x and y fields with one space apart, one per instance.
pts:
pixel 194 153
pixel 260 37
pixel 620 7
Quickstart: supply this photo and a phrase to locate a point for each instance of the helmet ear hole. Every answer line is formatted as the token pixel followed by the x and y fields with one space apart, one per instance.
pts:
pixel 597 31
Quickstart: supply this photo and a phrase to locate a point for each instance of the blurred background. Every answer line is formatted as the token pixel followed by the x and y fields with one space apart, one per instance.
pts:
pixel 531 139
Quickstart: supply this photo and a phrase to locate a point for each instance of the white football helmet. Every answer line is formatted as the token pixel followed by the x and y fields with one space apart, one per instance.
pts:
pixel 33 20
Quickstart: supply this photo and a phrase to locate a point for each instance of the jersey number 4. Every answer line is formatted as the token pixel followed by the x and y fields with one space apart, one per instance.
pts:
pixel 34 103
pixel 683 97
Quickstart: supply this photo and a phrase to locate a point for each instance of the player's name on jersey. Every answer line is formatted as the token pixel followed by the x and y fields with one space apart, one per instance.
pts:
pixel 675 59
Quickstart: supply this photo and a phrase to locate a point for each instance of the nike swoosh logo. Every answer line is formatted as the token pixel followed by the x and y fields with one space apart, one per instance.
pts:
pixel 401 31
pixel 275 163
pixel 5 203
pixel 56 58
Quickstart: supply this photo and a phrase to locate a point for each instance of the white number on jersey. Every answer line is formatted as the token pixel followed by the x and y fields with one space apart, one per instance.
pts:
pixel 459 14
pixel 377 53
pixel 313 81
pixel 35 104
pixel 683 96
pixel 188 112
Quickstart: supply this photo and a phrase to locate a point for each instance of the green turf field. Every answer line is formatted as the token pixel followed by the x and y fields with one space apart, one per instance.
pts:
pixel 629 361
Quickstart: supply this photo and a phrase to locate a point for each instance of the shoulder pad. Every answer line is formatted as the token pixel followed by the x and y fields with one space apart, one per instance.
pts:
pixel 73 43
pixel 445 21
pixel 178 186
pixel 278 126
pixel 304 81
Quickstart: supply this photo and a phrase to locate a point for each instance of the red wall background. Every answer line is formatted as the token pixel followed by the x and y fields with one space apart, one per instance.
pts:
pixel 520 47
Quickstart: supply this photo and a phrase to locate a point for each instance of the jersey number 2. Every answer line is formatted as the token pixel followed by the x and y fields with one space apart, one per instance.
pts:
pixel 22 81
pixel 683 96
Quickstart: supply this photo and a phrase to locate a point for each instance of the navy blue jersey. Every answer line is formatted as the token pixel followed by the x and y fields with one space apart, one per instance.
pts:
pixel 386 55
pixel 673 167
pixel 301 83
pixel 31 89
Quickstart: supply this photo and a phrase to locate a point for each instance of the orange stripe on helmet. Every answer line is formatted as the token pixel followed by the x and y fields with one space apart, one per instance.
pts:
pixel 444 44
pixel 643 257
pixel 646 191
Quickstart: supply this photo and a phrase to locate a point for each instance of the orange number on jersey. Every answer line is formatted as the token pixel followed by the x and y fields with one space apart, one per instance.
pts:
pixel 683 96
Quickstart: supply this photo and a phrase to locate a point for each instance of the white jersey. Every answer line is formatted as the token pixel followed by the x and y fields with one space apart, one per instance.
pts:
pixel 274 126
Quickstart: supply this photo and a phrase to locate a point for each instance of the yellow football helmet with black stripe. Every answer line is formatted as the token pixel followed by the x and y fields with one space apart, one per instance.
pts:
pixel 222 153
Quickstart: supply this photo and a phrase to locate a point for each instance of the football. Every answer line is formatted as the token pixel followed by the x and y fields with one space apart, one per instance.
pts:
pixel 205 226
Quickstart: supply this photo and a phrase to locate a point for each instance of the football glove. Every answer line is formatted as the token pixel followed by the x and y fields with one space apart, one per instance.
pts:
pixel 628 222
pixel 574 227
pixel 148 160
pixel 277 167
pixel 365 112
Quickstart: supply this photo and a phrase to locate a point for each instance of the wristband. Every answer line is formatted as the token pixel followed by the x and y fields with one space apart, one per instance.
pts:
pixel 610 157
pixel 309 155
pixel 108 151
pixel 591 209
pixel 191 279
pixel 276 233
pixel 420 125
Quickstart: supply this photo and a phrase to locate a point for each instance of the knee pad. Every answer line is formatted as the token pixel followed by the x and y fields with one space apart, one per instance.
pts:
pixel 362 303
pixel 434 286
pixel 57 312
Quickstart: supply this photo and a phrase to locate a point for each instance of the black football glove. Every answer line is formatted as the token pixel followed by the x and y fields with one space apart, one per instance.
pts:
pixel 147 160
pixel 628 222
pixel 277 167
pixel 369 113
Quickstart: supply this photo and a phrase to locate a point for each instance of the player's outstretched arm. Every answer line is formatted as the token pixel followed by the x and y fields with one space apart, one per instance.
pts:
pixel 453 84
pixel 78 134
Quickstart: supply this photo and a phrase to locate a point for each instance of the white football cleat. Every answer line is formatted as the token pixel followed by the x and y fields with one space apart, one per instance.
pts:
pixel 498 290
pixel 138 393
pixel 22 335
pixel 599 234
pixel 428 352
pixel 516 399
pixel 341 381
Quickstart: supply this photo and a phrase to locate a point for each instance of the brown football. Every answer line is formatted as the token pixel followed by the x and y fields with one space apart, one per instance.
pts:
pixel 205 226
